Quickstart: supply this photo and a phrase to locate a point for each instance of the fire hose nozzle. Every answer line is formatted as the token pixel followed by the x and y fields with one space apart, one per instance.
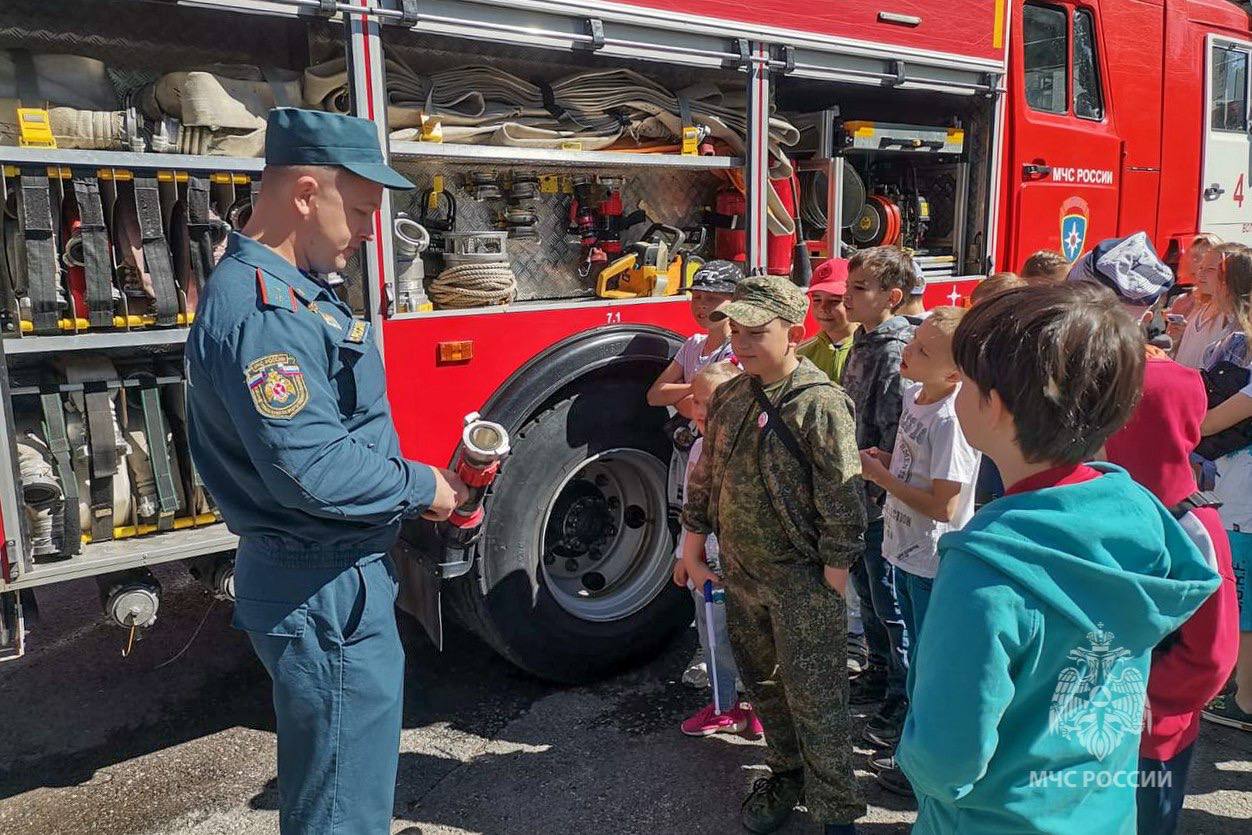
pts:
pixel 484 444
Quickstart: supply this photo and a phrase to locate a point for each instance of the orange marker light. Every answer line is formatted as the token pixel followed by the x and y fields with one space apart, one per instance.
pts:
pixel 460 351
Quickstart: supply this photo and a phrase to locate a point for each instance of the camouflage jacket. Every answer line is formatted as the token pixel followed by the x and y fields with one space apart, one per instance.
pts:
pixel 820 506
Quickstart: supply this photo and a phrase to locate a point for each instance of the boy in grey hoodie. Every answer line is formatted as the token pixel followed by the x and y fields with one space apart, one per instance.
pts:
pixel 880 281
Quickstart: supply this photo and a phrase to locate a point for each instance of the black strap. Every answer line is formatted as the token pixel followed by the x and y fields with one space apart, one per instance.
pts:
pixel 774 420
pixel 29 93
pixel 1195 501
pixel 42 276
pixel 158 451
pixel 156 252
pixel 102 441
pixel 59 444
pixel 97 259
pixel 720 221
pixel 199 230
pixel 549 100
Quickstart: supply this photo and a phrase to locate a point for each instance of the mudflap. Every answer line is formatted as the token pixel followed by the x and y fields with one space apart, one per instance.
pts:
pixel 416 556
pixel 12 626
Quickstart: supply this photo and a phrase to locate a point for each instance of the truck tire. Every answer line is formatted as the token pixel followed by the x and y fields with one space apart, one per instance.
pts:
pixel 572 581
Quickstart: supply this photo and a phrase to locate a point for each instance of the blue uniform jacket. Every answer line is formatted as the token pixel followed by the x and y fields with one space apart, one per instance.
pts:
pixel 290 428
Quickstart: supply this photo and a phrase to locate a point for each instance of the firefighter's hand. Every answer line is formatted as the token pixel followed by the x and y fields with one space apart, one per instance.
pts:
pixel 450 493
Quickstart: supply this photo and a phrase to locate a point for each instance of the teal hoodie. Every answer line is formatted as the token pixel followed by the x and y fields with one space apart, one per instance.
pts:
pixel 1029 687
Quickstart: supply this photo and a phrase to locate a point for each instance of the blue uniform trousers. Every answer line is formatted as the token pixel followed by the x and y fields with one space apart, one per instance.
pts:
pixel 329 640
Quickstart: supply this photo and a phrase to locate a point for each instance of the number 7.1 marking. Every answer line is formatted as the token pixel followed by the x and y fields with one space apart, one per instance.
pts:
pixel 613 317
pixel 1238 195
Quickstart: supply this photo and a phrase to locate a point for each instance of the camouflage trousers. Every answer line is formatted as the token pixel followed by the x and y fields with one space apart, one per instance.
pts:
pixel 789 635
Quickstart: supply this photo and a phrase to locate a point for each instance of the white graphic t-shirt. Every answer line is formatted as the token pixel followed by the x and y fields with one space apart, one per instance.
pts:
pixel 691 360
pixel 929 445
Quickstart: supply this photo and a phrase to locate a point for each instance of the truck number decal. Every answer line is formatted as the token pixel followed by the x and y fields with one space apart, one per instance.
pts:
pixel 613 317
pixel 1238 195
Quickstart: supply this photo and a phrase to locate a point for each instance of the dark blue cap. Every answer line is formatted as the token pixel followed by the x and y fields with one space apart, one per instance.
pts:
pixel 294 136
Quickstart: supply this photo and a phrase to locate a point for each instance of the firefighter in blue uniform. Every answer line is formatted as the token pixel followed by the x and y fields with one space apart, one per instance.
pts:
pixel 292 435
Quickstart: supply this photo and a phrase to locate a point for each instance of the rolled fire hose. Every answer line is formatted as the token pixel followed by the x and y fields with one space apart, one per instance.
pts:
pixel 474 285
pixel 41 493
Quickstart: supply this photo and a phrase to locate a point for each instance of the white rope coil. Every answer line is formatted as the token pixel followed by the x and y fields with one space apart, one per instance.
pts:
pixel 474 285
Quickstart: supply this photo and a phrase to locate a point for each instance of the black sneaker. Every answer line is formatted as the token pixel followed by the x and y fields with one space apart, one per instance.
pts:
pixel 889 775
pixel 1225 711
pixel 868 688
pixel 771 801
pixel 885 727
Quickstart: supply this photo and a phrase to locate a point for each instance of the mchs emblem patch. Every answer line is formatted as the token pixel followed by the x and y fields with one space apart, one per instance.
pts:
pixel 277 386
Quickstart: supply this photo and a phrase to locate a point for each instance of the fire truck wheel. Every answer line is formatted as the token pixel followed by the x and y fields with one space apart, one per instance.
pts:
pixel 573 576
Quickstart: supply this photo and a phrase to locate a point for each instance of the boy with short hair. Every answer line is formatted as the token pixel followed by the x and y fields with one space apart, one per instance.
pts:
pixel 1044 268
pixel 929 478
pixel 879 282
pixel 779 483
pixel 1052 598
pixel 830 348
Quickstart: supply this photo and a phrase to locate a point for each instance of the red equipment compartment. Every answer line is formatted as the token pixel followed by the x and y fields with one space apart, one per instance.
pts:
pixel 973 28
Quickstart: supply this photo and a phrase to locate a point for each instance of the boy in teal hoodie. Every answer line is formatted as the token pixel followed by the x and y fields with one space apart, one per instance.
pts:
pixel 1031 675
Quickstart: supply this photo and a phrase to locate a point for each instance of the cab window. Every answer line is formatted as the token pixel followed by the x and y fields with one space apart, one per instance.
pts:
pixel 1045 40
pixel 1088 100
pixel 1230 90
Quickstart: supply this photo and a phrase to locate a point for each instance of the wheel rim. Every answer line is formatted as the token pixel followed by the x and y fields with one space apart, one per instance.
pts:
pixel 605 545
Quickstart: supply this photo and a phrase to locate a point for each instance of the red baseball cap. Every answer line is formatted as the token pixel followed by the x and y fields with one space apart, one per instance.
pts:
pixel 831 276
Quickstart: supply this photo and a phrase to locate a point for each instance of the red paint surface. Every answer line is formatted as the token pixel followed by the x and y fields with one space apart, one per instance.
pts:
pixel 1152 64
pixel 430 399
pixel 962 27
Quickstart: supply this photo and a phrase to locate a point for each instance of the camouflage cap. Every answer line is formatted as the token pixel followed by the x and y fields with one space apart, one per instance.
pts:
pixel 760 298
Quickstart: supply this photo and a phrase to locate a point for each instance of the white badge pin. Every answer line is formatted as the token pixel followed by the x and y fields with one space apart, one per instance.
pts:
pixel 762 420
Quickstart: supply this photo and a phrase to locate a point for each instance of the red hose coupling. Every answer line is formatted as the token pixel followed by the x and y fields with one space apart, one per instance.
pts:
pixel 465 521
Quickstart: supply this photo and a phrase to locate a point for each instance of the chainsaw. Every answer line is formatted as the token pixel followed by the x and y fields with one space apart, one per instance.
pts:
pixel 656 265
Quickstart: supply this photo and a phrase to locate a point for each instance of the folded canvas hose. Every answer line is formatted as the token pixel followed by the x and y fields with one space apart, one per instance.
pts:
pixel 84 110
pixel 56 431
pixel 144 263
pixel 485 105
pixel 97 446
pixel 221 109
pixel 38 259
pixel 197 237
pixel 89 249
pixel 474 285
pixel 153 467
pixel 174 399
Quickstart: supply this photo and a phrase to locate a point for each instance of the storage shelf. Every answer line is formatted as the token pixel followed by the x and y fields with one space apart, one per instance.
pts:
pixel 119 554
pixel 94 341
pixel 504 155
pixel 10 155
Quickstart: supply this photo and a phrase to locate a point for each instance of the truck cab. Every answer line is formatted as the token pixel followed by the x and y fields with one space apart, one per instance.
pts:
pixel 1125 115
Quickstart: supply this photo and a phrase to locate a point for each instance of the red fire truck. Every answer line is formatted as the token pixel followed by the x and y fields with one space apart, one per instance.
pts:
pixel 973 133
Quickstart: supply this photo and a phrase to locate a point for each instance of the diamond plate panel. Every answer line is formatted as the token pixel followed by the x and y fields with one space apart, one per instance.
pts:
pixel 546 265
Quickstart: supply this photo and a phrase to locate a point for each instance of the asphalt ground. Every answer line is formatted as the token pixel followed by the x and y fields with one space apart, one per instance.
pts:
pixel 96 743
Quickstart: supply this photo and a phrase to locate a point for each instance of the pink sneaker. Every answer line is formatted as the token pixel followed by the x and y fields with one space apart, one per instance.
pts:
pixel 754 729
pixel 708 721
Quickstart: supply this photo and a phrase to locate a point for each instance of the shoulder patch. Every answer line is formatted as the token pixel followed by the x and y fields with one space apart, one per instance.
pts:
pixel 358 331
pixel 271 292
pixel 277 386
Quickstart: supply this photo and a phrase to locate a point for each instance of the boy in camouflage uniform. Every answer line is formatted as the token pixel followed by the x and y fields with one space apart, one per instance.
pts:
pixel 781 488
